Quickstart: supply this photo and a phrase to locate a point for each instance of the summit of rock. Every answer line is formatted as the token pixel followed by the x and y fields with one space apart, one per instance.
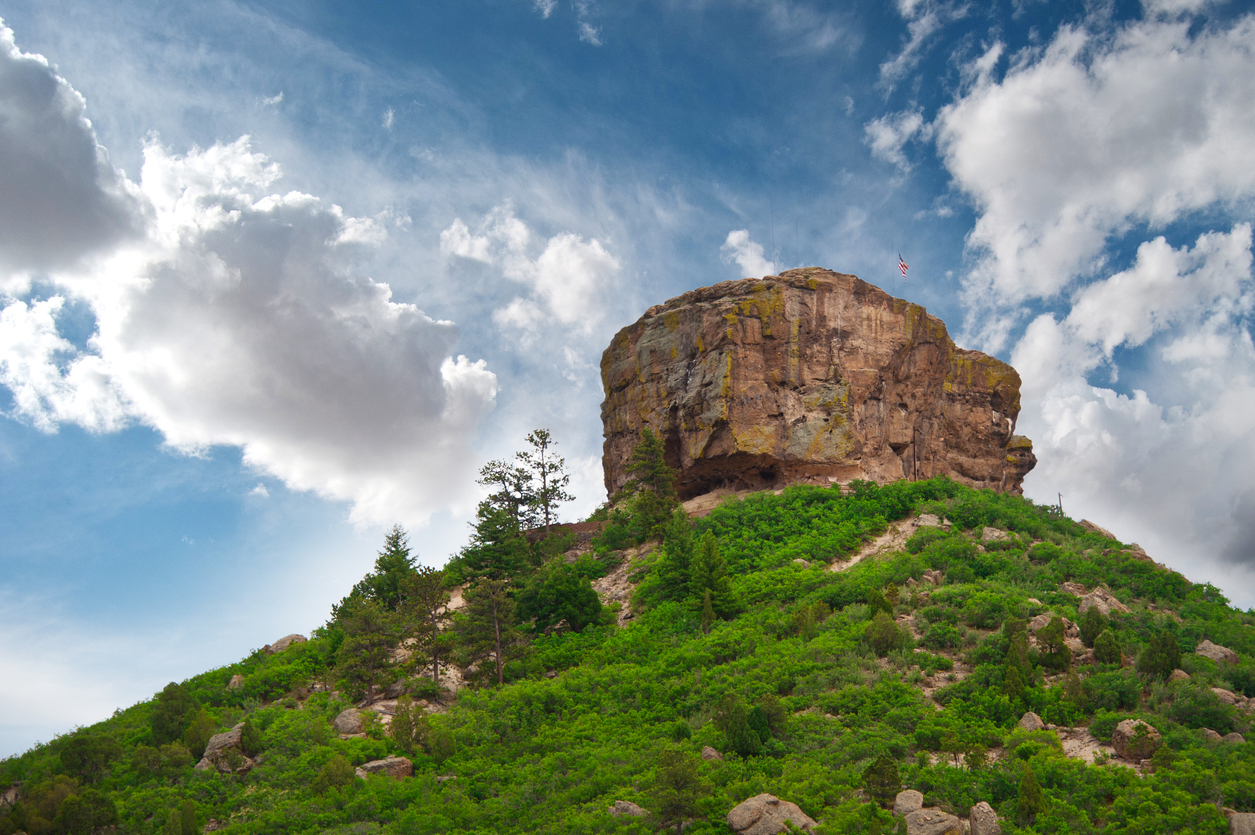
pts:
pixel 812 377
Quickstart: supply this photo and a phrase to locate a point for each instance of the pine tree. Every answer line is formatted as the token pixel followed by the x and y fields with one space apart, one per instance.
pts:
pixel 426 599
pixel 1092 624
pixel 365 654
pixel 708 612
pixel 678 786
pixel 675 565
pixel 558 593
pixel 651 488
pixel 1055 654
pixel 881 781
pixel 548 477
pixel 1013 684
pixel 883 635
pixel 1161 656
pixel 1107 649
pixel 174 710
pixel 514 493
pixel 487 628
pixel 187 819
pixel 385 586
pixel 709 572
pixel 250 739
pixel 1031 802
pixel 497 550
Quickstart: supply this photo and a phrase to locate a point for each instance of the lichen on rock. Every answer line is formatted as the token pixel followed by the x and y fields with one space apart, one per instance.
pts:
pixel 813 377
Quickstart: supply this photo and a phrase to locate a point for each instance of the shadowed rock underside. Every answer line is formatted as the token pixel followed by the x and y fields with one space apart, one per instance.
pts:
pixel 810 377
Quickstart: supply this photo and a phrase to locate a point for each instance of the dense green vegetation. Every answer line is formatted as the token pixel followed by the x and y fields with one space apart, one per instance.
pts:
pixel 809 681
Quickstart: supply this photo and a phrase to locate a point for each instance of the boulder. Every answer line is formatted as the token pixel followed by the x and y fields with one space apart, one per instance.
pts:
pixel 11 795
pixel 929 520
pixel 932 822
pixel 934 576
pixel 1234 738
pixel 766 814
pixel 391 766
pixel 803 563
pixel 984 820
pixel 1210 736
pixel 349 721
pixel 812 377
pixel 1092 528
pixel 627 808
pixel 236 682
pixel 223 753
pixel 1074 589
pixel 1104 601
pixel 993 535
pixel 396 689
pixel 1179 675
pixel 709 754
pixel 1135 740
pixel 1226 696
pixel 1217 653
pixel 907 802
pixel 283 643
pixel 1242 823
pixel 1031 722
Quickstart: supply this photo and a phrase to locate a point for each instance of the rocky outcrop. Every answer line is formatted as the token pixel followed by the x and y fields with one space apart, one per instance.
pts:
pixel 224 753
pixel 807 377
pixel 1241 823
pixel 236 682
pixel 283 643
pixel 626 808
pixel 1217 653
pixel 906 802
pixel 932 822
pixel 349 721
pixel 710 754
pixel 1133 739
pixel 391 766
pixel 1031 722
pixel 984 820
pixel 766 814
pixel 1102 600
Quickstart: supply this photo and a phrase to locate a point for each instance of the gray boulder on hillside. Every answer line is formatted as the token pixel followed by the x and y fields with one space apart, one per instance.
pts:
pixel 710 754
pixel 1031 722
pixel 283 643
pixel 626 808
pixel 1133 739
pixel 932 822
pixel 1242 823
pixel 1102 600
pixel 349 721
pixel 907 802
pixel 766 814
pixel 984 820
pixel 223 753
pixel 391 766
pixel 1217 653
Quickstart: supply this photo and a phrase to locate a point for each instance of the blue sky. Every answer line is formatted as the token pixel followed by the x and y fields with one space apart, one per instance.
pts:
pixel 274 276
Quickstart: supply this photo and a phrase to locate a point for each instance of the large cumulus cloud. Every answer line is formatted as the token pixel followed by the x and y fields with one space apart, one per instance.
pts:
pixel 1139 386
pixel 226 312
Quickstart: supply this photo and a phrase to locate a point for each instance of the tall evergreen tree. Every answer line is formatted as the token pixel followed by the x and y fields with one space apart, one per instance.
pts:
pixel 881 780
pixel 385 586
pixel 366 655
pixel 548 477
pixel 709 572
pixel 678 786
pixel 558 593
pixel 487 627
pixel 514 494
pixel 426 599
pixel 174 710
pixel 1031 802
pixel 675 564
pixel 651 488
pixel 1161 656
pixel 497 550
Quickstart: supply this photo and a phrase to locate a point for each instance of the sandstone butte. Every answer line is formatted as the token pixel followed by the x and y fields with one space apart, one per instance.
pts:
pixel 809 377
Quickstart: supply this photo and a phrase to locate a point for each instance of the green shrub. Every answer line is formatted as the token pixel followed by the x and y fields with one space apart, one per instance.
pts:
pixel 1107 649
pixel 1092 625
pixel 336 773
pixel 883 635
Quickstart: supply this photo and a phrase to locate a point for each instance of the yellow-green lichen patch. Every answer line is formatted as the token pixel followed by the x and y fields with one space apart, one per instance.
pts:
pixel 701 346
pixel 1019 442
pixel 764 304
pixel 756 440
pixel 672 320
pixel 794 350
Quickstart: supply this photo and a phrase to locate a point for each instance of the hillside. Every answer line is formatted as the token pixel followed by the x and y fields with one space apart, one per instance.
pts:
pixel 870 639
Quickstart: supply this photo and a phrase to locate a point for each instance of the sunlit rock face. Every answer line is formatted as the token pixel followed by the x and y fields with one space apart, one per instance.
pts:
pixel 808 377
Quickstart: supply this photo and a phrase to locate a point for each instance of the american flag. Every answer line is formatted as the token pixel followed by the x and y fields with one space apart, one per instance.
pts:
pixel 902 266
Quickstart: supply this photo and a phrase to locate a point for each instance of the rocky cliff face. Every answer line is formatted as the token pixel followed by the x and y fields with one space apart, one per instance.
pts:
pixel 812 377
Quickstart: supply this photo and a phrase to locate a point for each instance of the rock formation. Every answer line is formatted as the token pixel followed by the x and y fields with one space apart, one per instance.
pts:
pixel 390 766
pixel 1135 740
pixel 766 814
pixel 224 753
pixel 807 377
pixel 1217 653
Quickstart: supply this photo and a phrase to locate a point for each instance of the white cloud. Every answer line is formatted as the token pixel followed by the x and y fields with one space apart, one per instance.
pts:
pixel 389 118
pixel 546 7
pixel 239 317
pixel 888 134
pixel 570 276
pixel 273 101
pixel 1094 136
pixel 1167 468
pixel 748 255
pixel 260 491
pixel 60 198
pixel 590 34
pixel 924 19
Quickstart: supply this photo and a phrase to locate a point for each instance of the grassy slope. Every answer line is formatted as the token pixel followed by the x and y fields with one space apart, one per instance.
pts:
pixel 587 715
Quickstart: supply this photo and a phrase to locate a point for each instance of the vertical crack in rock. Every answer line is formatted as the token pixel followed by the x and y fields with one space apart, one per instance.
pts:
pixel 808 377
